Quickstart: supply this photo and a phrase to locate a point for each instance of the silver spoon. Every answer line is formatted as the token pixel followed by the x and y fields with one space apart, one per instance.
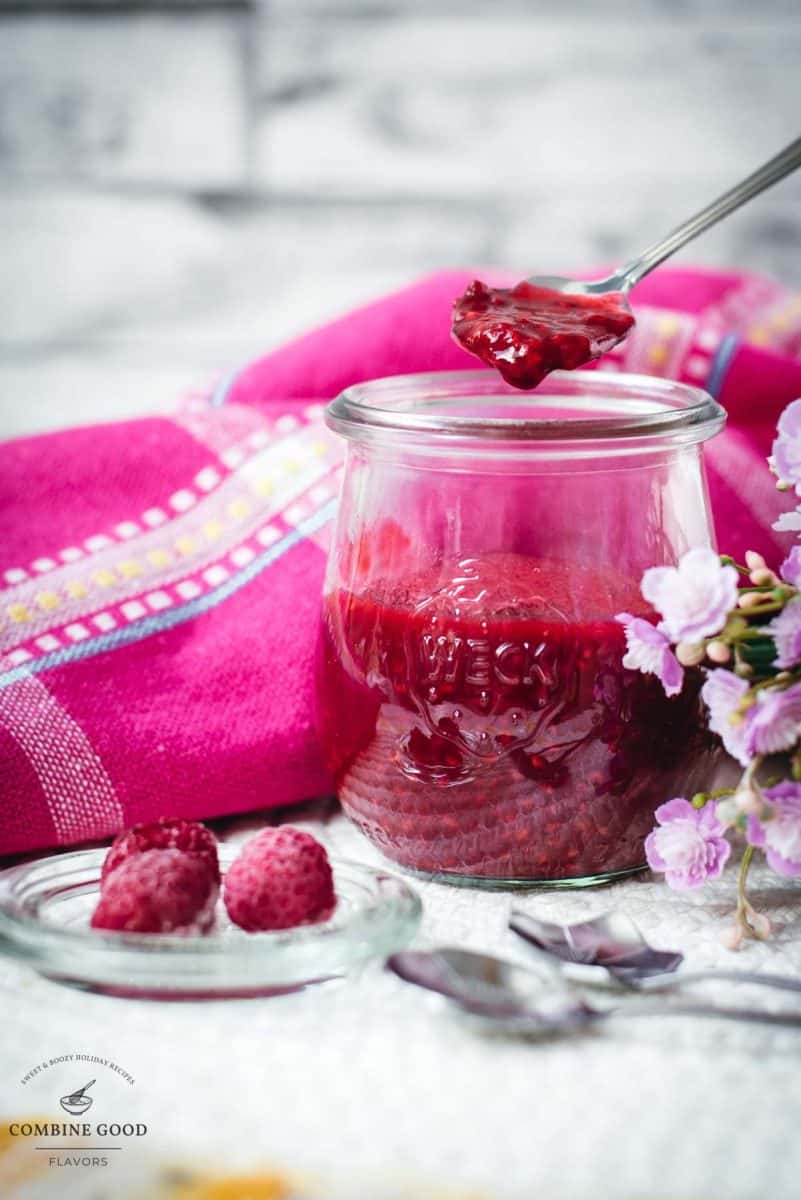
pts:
pixel 624 278
pixel 509 998
pixel 610 949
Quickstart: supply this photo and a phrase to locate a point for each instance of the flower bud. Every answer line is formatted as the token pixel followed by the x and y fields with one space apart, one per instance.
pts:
pixel 749 599
pixel 690 654
pixel 762 577
pixel 732 937
pixel 727 811
pixel 718 652
pixel 747 800
pixel 759 923
pixel 754 560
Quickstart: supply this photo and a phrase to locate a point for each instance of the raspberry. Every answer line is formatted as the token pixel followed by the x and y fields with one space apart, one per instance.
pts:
pixel 170 833
pixel 158 891
pixel 282 878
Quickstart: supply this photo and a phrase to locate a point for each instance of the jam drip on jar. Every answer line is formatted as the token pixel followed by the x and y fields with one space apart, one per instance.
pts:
pixel 527 331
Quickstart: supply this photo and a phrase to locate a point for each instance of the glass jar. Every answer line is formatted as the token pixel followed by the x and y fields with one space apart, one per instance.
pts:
pixel 472 704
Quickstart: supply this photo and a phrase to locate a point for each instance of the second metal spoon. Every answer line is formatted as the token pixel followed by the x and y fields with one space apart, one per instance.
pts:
pixel 611 950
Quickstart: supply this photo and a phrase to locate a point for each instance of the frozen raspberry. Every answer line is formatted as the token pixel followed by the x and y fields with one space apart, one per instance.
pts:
pixel 158 891
pixel 282 878
pixel 170 833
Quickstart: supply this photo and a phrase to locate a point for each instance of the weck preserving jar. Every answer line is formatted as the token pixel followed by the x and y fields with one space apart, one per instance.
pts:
pixel 472 704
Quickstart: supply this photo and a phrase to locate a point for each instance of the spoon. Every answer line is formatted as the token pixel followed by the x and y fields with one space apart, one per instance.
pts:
pixel 624 278
pixel 548 322
pixel 509 998
pixel 499 992
pixel 610 949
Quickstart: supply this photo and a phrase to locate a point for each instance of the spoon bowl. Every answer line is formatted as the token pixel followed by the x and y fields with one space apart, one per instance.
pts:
pixel 610 949
pixel 611 943
pixel 584 287
pixel 500 993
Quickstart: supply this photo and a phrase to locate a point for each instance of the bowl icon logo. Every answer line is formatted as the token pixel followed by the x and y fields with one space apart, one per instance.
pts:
pixel 77 1103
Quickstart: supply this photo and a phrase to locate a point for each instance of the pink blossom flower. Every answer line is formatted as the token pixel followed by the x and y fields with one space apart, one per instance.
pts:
pixel 773 723
pixel 787 446
pixel 695 598
pixel 648 650
pixel 779 832
pixel 785 629
pixel 790 570
pixel 722 694
pixel 688 844
pixel 788 522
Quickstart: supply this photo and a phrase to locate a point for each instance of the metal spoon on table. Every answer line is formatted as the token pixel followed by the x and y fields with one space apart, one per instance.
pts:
pixel 624 278
pixel 508 998
pixel 610 949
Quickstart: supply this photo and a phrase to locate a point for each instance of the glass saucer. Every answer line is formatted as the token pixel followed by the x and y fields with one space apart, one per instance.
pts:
pixel 46 905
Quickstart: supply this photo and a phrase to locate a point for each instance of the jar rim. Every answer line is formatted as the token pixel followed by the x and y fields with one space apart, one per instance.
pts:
pixel 617 406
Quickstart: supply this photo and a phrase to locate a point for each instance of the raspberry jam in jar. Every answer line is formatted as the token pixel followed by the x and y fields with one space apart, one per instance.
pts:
pixel 472 703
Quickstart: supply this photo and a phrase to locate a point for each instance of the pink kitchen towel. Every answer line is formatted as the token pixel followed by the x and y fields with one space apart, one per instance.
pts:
pixel 161 577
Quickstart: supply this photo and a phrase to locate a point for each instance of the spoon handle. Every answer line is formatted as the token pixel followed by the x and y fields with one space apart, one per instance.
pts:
pixel 756 1016
pixel 772 171
pixel 784 983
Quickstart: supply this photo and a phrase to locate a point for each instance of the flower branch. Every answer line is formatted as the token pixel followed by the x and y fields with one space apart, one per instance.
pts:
pixel 741 625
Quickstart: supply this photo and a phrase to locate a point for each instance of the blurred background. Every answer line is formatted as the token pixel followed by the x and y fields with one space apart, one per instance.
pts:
pixel 185 184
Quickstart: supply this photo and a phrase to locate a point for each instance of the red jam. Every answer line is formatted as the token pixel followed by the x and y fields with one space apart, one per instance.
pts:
pixel 478 721
pixel 527 331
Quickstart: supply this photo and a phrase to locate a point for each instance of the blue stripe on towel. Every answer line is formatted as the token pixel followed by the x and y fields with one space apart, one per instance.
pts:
pixel 721 363
pixel 220 394
pixel 143 628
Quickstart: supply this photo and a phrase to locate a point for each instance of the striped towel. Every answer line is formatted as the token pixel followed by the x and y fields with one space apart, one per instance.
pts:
pixel 161 576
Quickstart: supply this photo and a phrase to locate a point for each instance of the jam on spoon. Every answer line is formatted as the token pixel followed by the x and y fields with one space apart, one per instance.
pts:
pixel 549 322
pixel 527 331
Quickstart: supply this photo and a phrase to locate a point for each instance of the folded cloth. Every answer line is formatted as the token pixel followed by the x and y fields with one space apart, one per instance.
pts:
pixel 161 576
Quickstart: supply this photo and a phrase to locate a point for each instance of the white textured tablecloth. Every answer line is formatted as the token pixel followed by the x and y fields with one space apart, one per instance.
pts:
pixel 368 1082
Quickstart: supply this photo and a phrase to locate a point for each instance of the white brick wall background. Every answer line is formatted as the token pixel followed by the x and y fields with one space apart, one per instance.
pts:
pixel 183 185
